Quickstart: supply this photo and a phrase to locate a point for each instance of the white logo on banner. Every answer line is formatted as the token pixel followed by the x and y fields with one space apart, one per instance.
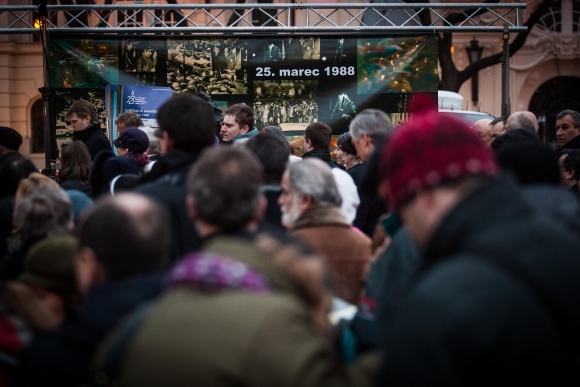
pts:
pixel 134 100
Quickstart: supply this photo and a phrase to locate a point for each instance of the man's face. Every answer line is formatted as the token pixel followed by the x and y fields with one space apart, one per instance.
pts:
pixel 231 129
pixel 364 147
pixel 147 53
pixel 120 126
pixel 565 130
pixel 289 203
pixel 496 130
pixel 78 123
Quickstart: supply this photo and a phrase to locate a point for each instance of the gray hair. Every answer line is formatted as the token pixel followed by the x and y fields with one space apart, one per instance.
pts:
pixel 572 113
pixel 313 177
pixel 372 122
pixel 46 212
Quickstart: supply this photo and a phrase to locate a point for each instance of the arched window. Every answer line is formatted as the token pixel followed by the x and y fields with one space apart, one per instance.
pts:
pixel 37 127
pixel 563 17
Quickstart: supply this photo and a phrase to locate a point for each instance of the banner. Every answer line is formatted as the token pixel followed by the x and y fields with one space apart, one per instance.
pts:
pixel 289 81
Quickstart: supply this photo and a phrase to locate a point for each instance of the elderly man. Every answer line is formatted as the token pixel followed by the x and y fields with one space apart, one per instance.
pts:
pixel 522 120
pixel 491 302
pixel 568 130
pixel 483 128
pixel 310 203
pixel 367 129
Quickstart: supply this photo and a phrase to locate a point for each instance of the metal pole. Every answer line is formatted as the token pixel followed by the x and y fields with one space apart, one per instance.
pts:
pixel 505 74
pixel 45 90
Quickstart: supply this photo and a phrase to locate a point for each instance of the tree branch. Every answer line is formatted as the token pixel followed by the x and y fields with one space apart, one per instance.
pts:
pixel 514 46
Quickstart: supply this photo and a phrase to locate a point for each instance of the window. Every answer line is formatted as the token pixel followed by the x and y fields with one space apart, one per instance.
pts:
pixel 563 17
pixel 37 127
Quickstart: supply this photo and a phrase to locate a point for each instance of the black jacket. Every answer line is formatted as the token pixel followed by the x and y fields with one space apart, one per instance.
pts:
pixel 94 139
pixel 572 144
pixel 496 302
pixel 371 206
pixel 322 154
pixel 166 183
pixel 62 358
pixel 272 221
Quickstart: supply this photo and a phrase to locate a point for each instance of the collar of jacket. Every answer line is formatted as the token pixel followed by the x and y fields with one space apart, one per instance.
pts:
pixel 322 154
pixel 494 202
pixel 174 161
pixel 83 135
pixel 251 133
pixel 107 303
pixel 244 251
pixel 321 216
pixel 572 144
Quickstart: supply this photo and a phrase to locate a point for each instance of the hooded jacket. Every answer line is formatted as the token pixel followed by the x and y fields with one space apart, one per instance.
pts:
pixel 495 302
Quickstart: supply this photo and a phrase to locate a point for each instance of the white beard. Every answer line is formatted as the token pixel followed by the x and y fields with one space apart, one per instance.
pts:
pixel 290 217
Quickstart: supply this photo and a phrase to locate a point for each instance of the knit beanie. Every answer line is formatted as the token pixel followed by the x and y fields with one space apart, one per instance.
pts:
pixel 50 264
pixel 133 139
pixel 429 150
pixel 276 131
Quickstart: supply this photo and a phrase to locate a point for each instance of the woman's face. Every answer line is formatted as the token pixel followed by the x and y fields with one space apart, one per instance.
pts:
pixel 339 156
pixel 122 151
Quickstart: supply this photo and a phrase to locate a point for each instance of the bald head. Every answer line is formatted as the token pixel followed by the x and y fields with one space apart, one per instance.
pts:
pixel 127 234
pixel 483 128
pixel 522 120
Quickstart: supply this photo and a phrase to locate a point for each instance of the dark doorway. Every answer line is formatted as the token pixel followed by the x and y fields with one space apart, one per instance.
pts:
pixel 551 98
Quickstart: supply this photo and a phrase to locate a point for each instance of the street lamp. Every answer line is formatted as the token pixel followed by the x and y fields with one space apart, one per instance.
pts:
pixel 474 51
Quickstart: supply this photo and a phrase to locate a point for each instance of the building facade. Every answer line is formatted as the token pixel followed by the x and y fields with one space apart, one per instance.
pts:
pixel 544 74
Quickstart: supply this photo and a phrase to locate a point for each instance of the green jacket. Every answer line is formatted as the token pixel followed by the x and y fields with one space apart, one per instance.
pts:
pixel 236 338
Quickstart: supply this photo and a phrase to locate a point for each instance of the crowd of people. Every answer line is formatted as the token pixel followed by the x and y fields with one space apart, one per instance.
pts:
pixel 431 253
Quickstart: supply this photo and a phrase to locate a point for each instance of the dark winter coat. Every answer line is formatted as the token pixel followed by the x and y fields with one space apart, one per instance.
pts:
pixel 166 183
pixel 387 278
pixel 62 358
pixel 322 154
pixel 76 185
pixel 371 207
pixel 496 302
pixel 272 221
pixel 94 139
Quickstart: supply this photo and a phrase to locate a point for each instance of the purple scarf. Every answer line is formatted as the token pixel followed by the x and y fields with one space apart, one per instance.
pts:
pixel 211 273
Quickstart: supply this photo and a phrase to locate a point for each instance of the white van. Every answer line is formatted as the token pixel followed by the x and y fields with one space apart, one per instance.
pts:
pixel 63 130
pixel 452 103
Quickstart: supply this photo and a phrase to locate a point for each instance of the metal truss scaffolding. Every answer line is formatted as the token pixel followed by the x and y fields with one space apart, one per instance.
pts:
pixel 274 18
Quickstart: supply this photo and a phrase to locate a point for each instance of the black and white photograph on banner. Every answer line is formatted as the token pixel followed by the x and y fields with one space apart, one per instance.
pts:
pixel 143 62
pixel 287 49
pixel 290 102
pixel 342 107
pixel 213 66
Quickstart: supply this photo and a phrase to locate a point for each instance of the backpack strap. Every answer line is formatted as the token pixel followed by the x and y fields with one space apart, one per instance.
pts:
pixel 108 365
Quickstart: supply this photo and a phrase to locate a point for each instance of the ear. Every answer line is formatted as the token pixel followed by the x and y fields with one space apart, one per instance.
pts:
pixel 168 142
pixel 245 129
pixel 88 270
pixel 366 139
pixel 261 211
pixel 190 205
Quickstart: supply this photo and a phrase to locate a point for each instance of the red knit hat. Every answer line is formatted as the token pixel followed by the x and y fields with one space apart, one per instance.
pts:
pixel 429 150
